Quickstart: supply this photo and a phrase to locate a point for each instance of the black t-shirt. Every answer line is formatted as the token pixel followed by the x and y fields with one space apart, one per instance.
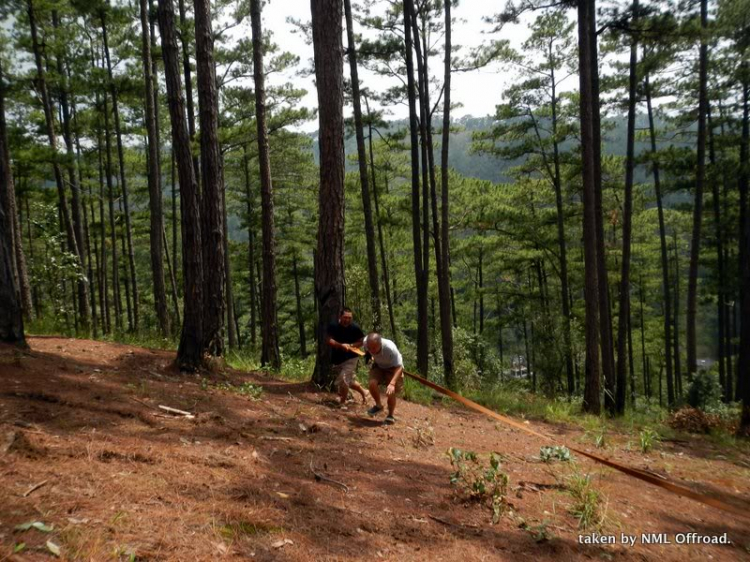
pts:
pixel 350 334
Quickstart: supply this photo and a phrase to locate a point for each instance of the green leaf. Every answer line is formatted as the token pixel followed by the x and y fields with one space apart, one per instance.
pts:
pixel 53 548
pixel 36 525
pixel 19 547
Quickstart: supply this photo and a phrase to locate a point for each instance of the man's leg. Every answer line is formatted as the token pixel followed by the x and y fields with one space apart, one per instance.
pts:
pixel 391 404
pixel 358 388
pixel 375 391
pixel 343 392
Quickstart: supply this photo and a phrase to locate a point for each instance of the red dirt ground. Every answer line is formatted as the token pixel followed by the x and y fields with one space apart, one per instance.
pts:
pixel 125 482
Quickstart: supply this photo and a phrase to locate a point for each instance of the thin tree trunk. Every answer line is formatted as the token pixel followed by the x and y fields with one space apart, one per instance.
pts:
pixel 250 246
pixel 676 324
pixel 623 325
pixel 212 183
pixel 269 323
pixel 446 328
pixel 11 307
pixel 329 257
pixel 666 296
pixel 190 351
pixel 104 295
pixel 112 224
pixel 300 316
pixel 123 177
pixel 372 259
pixel 175 267
pixel 592 389
pixel 18 258
pixel 743 363
pixel 185 43
pixel 154 179
pixel 65 220
pixel 419 272
pixel 692 294
pixel 172 280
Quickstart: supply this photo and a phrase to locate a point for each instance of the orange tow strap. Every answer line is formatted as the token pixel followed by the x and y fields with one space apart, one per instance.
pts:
pixel 634 472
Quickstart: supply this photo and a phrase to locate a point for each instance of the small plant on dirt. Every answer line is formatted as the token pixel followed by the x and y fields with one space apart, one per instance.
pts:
pixel 204 383
pixel 599 441
pixel 541 532
pixel 587 506
pixel 551 454
pixel 485 484
pixel 424 437
pixel 648 438
pixel 250 390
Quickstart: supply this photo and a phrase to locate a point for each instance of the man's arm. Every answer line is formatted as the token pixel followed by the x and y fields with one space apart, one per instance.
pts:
pixel 398 375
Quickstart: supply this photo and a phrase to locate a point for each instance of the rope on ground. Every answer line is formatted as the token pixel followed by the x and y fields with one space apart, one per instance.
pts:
pixel 634 472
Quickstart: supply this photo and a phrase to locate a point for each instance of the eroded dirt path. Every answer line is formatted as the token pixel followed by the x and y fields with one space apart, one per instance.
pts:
pixel 235 482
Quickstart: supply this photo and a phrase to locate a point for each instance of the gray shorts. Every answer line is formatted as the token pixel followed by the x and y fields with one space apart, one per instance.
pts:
pixel 345 372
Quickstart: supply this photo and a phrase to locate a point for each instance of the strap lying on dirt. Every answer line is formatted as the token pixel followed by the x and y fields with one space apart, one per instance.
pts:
pixel 634 472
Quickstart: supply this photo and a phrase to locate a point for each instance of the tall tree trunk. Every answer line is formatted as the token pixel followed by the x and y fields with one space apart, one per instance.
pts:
pixel 18 258
pixel 75 187
pixel 212 183
pixel 446 327
pixel 66 223
pixel 676 323
pixel 381 238
pixel 605 314
pixel 592 389
pixel 269 323
pixel 666 296
pixel 172 280
pixel 190 351
pixel 175 267
pixel 743 363
pixel 11 307
pixel 372 259
pixel 123 174
pixel 250 246
pixel 154 179
pixel 104 298
pixel 300 316
pixel 623 324
pixel 695 241
pixel 722 280
pixel 329 257
pixel 419 272
pixel 423 326
pixel 185 43
pixel 232 331
pixel 561 240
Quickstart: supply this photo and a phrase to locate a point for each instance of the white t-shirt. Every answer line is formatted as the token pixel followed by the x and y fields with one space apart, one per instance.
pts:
pixel 389 355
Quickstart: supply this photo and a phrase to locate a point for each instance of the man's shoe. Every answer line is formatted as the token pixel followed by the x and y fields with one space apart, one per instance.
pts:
pixel 374 410
pixel 389 420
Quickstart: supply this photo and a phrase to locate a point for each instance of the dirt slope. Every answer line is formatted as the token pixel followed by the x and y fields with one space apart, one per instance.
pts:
pixel 235 483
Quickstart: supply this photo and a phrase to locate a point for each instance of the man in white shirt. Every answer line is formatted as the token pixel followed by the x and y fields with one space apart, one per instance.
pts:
pixel 387 370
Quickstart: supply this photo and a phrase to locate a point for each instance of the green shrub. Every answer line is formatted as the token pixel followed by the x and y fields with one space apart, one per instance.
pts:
pixel 587 506
pixel 705 391
pixel 485 484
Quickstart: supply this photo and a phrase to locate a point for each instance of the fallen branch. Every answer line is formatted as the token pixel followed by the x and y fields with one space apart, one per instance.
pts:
pixel 273 438
pixel 34 488
pixel 176 411
pixel 320 478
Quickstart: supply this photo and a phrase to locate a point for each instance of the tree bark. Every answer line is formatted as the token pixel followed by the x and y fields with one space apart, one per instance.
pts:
pixel 250 246
pixel 419 272
pixel 156 224
pixel 329 257
pixel 666 297
pixel 743 362
pixel 372 259
pixel 11 307
pixel 185 43
pixel 300 315
pixel 592 389
pixel 695 240
pixel 269 323
pixel 446 327
pixel 190 350
pixel 212 183
pixel 623 324
pixel 123 175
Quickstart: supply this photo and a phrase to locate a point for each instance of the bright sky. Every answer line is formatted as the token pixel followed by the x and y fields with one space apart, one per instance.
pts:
pixel 477 91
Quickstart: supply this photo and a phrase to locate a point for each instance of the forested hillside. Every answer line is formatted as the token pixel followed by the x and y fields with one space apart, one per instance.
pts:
pixel 156 183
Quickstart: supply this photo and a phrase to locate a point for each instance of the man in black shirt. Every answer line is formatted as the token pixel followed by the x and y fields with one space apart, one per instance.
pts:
pixel 342 336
